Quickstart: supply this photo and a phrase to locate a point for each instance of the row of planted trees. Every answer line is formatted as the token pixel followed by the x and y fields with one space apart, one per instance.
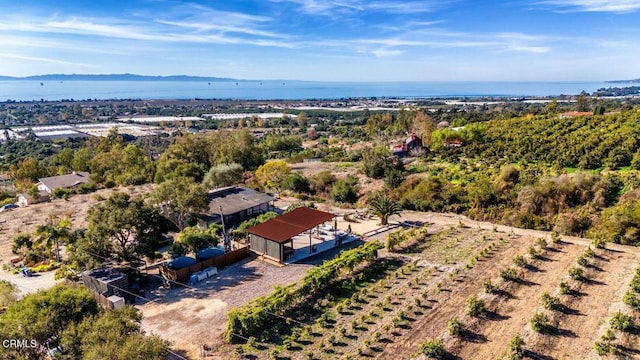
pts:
pixel 248 320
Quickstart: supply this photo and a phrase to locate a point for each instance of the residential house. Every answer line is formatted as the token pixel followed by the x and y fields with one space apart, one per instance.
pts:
pixel 68 181
pixel 235 204
pixel 6 181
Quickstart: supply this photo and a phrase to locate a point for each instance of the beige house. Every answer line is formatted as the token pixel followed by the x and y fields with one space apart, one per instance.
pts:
pixel 68 181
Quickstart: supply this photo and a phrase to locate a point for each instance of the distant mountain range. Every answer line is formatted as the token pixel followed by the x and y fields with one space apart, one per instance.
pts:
pixel 114 77
pixel 632 81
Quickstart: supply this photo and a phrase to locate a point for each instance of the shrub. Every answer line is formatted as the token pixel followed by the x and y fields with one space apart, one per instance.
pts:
pixel 599 243
pixel 576 274
pixel 550 302
pixel 564 288
pixel 520 261
pixel 539 322
pixel 606 346
pixel 542 243
pixel 589 253
pixel 635 282
pixel 61 193
pixel 509 274
pixel 433 349
pixel 86 188
pixel 456 328
pixel 622 322
pixel 631 299
pixel 555 237
pixel 533 252
pixel 582 261
pixel 516 348
pixel 476 307
pixel 489 287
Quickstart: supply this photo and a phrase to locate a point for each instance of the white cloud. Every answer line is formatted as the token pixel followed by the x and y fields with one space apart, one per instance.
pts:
pixel 43 59
pixel 615 6
pixel 382 53
pixel 159 31
pixel 335 7
pixel 530 49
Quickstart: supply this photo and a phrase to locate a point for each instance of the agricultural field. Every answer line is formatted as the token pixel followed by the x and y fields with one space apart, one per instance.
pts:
pixel 464 290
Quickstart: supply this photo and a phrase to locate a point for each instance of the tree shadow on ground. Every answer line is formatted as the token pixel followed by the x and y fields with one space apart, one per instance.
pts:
pixel 562 332
pixel 473 337
pixel 592 282
pixel 536 356
pixel 504 294
pixel 495 316
pixel 569 311
pixel 525 282
pixel 533 268
pixel 630 353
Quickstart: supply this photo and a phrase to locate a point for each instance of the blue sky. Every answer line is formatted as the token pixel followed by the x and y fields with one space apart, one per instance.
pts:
pixel 335 40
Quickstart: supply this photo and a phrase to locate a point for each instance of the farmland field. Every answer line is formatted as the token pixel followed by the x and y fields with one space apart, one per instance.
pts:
pixel 413 294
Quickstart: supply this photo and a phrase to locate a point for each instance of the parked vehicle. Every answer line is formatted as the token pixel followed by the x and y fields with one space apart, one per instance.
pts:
pixel 8 207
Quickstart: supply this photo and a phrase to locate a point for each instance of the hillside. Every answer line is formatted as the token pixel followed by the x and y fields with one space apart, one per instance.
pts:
pixel 585 142
pixel 115 77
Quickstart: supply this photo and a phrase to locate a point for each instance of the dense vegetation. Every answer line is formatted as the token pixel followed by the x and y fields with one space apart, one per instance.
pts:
pixel 585 142
pixel 250 319
pixel 66 323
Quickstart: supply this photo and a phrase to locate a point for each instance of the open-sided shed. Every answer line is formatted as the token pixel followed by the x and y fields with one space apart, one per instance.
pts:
pixel 270 238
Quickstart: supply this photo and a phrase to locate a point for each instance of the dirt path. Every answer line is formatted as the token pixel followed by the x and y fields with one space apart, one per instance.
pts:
pixel 189 318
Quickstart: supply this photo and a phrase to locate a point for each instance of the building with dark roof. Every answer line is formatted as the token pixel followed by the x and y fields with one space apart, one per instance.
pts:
pixel 235 204
pixel 270 238
pixel 68 181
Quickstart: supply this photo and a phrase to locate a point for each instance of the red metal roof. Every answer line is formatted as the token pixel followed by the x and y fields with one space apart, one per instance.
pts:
pixel 286 226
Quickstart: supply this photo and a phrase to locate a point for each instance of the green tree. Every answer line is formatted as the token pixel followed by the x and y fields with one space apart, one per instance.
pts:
pixel 322 182
pixel 384 207
pixel 22 244
pixel 129 223
pixel 223 175
pixel 345 190
pixel 27 171
pixel 297 182
pixel 51 234
pixel 302 119
pixel 552 107
pixel 273 174
pixel 180 198
pixel 196 238
pixel 43 317
pixel 8 294
pixel 115 335
pixel 582 102
pixel 81 159
pixel 376 161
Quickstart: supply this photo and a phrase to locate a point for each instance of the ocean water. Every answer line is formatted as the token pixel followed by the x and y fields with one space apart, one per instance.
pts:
pixel 28 90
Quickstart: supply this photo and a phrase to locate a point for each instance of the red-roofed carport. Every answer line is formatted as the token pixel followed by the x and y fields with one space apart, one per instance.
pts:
pixel 269 238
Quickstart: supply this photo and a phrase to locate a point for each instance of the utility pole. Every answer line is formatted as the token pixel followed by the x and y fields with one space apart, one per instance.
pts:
pixel 227 245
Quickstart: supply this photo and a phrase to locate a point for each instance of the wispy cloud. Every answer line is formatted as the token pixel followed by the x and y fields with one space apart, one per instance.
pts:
pixel 334 7
pixel 529 49
pixel 44 60
pixel 614 6
pixel 158 31
pixel 382 53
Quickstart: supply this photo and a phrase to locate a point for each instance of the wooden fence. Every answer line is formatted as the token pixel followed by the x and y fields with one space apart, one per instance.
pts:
pixel 101 299
pixel 183 275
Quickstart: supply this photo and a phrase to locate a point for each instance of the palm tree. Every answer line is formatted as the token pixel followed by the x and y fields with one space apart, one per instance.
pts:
pixel 52 233
pixel 384 207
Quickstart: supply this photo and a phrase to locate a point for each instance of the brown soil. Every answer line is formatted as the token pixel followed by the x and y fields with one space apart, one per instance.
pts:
pixel 27 219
